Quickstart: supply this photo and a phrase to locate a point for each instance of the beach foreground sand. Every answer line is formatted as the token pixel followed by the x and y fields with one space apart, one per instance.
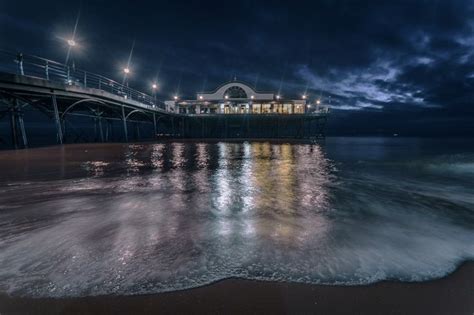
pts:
pixel 453 294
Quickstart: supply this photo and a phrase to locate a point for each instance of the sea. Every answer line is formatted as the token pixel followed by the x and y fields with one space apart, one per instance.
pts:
pixel 143 218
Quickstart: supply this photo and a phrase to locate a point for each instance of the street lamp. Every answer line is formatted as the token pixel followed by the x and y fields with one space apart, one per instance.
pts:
pixel 175 97
pixel 154 86
pixel 201 97
pixel 304 96
pixel 318 102
pixel 71 42
pixel 70 49
pixel 126 71
pixel 278 97
pixel 226 97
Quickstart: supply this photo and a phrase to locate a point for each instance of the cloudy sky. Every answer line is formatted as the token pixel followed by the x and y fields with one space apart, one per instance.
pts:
pixel 388 67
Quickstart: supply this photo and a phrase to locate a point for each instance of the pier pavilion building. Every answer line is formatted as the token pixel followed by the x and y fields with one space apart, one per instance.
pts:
pixel 237 97
pixel 236 110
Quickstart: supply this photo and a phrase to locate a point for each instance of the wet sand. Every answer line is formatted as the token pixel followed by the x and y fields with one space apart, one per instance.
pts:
pixel 453 294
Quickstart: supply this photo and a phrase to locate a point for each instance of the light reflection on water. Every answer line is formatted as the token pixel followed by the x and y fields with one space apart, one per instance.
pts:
pixel 128 219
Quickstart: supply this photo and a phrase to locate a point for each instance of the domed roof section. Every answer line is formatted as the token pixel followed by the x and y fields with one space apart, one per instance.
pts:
pixel 236 90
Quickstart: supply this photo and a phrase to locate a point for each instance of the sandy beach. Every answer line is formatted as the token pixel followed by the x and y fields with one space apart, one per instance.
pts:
pixel 450 295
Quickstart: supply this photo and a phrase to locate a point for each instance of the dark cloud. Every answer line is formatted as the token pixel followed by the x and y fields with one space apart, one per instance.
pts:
pixel 387 65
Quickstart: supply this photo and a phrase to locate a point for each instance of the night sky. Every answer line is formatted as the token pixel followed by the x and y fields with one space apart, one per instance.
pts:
pixel 403 67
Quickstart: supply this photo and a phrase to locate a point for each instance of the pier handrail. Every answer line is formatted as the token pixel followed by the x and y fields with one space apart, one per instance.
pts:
pixel 34 66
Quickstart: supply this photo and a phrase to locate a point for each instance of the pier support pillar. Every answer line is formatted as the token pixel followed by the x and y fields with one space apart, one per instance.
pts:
pixel 13 128
pixel 278 126
pixel 154 125
pixel 124 124
pixel 107 125
pixel 202 127
pixel 137 131
pixel 22 124
pixel 17 125
pixel 95 129
pixel 23 131
pixel 57 120
pixel 100 130
pixel 226 128
pixel 247 127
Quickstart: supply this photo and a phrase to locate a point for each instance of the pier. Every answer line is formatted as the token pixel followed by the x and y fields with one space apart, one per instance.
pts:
pixel 71 100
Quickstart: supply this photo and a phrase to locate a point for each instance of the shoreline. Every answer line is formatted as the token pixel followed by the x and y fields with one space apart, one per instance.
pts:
pixel 217 140
pixel 452 294
pixel 172 140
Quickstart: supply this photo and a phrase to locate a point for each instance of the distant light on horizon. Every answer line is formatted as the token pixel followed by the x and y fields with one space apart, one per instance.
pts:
pixel 226 97
pixel 304 96
pixel 175 97
pixel 201 97
pixel 154 86
pixel 126 70
pixel 318 102
pixel 252 97
pixel 278 97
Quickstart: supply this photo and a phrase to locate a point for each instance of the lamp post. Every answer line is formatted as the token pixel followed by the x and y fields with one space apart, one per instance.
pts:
pixel 71 43
pixel 154 86
pixel 126 71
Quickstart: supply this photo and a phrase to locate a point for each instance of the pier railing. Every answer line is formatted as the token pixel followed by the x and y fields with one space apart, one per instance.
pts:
pixel 34 66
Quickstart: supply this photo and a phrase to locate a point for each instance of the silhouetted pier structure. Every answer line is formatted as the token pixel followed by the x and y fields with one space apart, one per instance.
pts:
pixel 60 93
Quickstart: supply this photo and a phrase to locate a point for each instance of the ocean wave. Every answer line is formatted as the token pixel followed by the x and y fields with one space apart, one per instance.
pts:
pixel 261 212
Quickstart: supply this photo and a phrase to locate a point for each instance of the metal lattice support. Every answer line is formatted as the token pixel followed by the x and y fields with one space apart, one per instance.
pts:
pixel 21 123
pixel 56 118
pixel 124 119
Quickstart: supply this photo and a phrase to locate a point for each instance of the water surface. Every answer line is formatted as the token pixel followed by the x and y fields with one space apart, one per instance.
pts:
pixel 144 218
